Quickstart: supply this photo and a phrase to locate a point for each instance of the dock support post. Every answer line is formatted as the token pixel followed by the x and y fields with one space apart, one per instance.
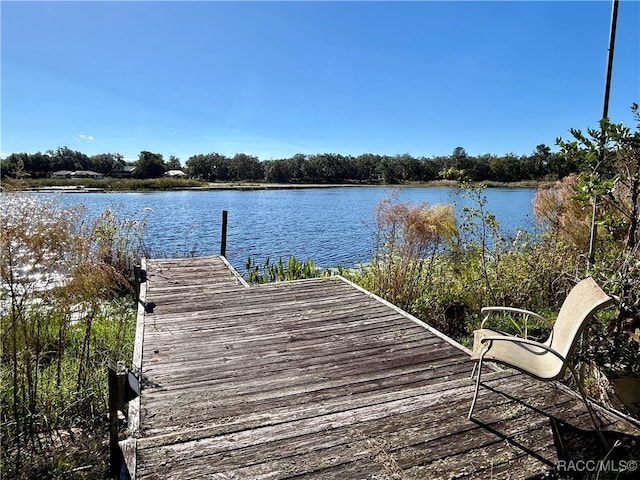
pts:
pixel 223 239
pixel 115 457
pixel 136 282
pixel 124 386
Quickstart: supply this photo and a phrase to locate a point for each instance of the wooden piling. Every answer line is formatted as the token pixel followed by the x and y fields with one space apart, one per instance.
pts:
pixel 223 239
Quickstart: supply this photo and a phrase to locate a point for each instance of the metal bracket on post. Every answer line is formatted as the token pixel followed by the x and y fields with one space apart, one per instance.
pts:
pixel 139 276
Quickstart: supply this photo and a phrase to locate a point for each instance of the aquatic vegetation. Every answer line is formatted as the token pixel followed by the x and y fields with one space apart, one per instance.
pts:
pixel 280 271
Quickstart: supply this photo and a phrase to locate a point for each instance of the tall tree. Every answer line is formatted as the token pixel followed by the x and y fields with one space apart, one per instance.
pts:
pixel 276 171
pixel 149 165
pixel 173 163
pixel 63 158
pixel 245 167
pixel 107 162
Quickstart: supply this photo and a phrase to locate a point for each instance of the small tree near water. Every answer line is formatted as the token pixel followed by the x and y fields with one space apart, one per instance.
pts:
pixel 408 239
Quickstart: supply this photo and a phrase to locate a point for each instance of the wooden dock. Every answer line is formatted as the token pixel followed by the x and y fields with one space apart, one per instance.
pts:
pixel 320 379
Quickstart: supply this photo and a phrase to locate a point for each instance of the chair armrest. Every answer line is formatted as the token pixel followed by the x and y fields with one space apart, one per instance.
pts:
pixel 523 341
pixel 526 313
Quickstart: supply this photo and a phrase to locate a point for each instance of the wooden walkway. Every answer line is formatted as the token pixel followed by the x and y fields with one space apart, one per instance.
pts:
pixel 320 379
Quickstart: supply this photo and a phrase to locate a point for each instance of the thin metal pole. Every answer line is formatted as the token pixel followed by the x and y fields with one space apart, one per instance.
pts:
pixel 612 44
pixel 605 114
pixel 223 239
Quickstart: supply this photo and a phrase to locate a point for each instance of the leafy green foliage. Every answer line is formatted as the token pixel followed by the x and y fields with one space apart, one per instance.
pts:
pixel 149 165
pixel 610 177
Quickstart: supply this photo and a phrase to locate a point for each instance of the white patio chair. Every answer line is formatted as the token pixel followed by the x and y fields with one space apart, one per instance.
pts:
pixel 547 360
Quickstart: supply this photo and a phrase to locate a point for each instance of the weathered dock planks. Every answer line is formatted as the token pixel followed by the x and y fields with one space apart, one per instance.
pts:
pixel 319 379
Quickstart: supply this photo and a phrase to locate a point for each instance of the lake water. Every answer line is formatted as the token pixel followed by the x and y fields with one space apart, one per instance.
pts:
pixel 332 226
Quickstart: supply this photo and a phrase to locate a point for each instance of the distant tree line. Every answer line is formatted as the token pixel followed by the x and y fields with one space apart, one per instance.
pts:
pixel 42 165
pixel 541 164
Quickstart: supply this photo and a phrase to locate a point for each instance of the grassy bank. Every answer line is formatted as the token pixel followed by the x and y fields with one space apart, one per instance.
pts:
pixel 107 184
pixel 166 184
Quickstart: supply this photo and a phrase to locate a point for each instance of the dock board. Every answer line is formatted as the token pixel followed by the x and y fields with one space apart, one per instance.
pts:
pixel 320 379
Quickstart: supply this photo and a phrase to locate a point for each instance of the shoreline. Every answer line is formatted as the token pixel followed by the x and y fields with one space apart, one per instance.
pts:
pixel 212 186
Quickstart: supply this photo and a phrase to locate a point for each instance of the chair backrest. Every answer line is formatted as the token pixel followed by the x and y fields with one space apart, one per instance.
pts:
pixel 582 302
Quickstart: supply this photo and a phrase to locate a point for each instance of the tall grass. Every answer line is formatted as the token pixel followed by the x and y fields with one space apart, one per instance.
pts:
pixel 408 242
pixel 63 315
pixel 292 269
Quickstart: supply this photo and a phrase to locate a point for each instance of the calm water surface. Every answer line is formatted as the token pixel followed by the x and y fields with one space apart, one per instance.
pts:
pixel 332 226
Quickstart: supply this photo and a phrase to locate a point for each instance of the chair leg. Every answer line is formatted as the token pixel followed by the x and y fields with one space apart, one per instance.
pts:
pixel 475 365
pixel 475 395
pixel 589 409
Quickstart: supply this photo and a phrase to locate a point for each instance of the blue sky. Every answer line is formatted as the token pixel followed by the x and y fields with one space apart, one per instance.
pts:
pixel 273 79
